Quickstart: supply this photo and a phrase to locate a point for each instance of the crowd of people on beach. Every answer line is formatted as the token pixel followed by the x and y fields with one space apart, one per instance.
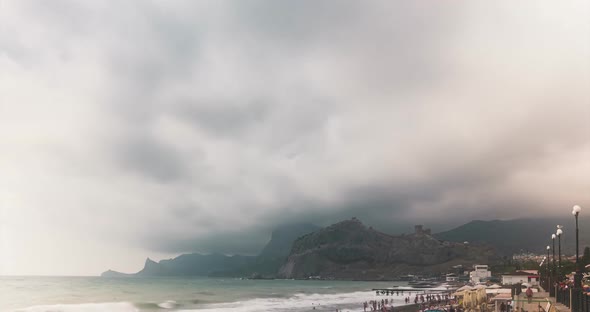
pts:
pixel 425 301
pixel 432 299
pixel 385 305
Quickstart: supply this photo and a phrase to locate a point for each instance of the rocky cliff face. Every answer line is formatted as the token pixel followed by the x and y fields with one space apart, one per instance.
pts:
pixel 282 239
pixel 277 250
pixel 350 250
pixel 111 273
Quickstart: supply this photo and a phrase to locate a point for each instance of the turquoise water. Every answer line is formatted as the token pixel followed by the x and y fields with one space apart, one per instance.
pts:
pixel 57 294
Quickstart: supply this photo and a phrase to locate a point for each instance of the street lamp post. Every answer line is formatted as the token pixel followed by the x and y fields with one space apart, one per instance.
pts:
pixel 559 232
pixel 548 270
pixel 578 277
pixel 554 270
pixel 575 304
pixel 553 236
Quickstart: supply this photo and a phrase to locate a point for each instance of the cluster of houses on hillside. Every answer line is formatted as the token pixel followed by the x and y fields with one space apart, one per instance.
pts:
pixel 481 274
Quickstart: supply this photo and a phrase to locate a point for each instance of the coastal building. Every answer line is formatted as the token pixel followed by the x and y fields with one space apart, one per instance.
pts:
pixel 521 277
pixel 479 274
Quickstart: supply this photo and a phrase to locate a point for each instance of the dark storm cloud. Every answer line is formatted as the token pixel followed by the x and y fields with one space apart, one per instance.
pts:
pixel 248 242
pixel 210 123
pixel 384 47
pixel 151 159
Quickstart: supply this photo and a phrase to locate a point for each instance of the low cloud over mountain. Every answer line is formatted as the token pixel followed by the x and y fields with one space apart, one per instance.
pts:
pixel 178 126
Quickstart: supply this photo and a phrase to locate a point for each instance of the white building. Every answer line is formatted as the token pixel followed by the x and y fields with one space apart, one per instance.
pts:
pixel 479 274
pixel 520 277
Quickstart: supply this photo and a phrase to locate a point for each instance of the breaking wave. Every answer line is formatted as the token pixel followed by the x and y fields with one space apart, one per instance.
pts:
pixel 351 301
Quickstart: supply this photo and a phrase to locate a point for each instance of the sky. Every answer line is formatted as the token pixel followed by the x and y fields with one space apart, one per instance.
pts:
pixel 131 129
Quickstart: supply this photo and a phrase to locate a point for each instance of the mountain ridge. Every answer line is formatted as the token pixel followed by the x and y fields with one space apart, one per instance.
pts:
pixel 506 236
pixel 351 250
pixel 516 235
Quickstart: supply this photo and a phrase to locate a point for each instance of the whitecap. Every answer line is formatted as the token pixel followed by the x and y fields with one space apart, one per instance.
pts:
pixel 301 302
pixel 170 304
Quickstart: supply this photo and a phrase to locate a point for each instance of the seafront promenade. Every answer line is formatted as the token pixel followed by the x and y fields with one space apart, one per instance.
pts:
pixel 541 299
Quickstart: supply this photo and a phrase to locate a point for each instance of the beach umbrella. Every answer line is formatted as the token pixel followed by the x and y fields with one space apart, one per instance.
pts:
pixel 482 296
pixel 495 286
pixel 458 293
pixel 467 299
pixel 474 298
pixel 479 287
pixel 464 288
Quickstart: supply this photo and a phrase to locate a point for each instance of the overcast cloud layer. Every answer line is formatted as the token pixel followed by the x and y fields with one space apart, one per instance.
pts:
pixel 151 128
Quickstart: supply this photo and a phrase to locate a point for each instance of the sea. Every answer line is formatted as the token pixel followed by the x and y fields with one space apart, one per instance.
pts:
pixel 93 294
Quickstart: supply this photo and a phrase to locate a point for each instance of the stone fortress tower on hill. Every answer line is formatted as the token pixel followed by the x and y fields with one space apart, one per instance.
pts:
pixel 420 230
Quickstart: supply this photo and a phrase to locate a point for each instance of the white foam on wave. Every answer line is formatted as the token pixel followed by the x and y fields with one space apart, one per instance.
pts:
pixel 301 302
pixel 170 304
pixel 85 307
